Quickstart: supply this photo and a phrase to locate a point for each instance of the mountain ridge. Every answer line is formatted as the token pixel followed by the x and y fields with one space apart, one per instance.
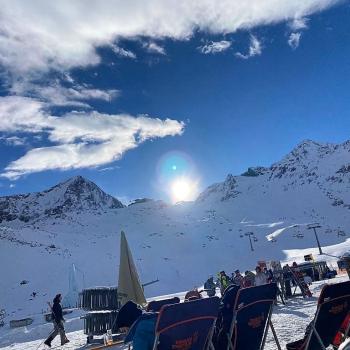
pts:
pixel 181 244
pixel 74 194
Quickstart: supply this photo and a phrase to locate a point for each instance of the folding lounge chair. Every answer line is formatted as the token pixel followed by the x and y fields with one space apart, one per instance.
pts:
pixel 251 318
pixel 156 305
pixel 333 306
pixel 187 325
pixel 225 316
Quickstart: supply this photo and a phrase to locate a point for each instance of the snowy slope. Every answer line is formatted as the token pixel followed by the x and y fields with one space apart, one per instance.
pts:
pixel 179 244
pixel 290 322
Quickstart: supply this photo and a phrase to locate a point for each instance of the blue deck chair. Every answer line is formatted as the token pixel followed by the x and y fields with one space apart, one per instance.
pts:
pixel 187 325
pixel 156 305
pixel 251 318
pixel 332 308
pixel 225 316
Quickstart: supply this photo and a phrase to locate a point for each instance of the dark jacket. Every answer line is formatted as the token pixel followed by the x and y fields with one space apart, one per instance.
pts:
pixel 128 314
pixel 209 285
pixel 57 314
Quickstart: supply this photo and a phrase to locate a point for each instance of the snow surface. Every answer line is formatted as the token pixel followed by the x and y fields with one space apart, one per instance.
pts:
pixel 289 320
pixel 43 234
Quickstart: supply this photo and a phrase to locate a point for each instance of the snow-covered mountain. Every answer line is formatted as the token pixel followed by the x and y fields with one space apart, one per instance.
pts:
pixel 324 167
pixel 42 234
pixel 72 196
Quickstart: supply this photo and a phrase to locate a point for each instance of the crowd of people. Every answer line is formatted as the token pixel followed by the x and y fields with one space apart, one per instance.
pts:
pixel 139 322
pixel 249 279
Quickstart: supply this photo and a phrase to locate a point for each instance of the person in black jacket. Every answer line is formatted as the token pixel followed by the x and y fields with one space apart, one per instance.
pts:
pixel 57 318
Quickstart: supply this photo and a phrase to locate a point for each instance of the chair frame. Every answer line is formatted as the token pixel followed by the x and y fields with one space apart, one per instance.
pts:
pixel 268 324
pixel 209 341
pixel 314 331
pixel 313 327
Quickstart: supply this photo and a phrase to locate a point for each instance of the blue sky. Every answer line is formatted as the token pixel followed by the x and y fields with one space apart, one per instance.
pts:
pixel 235 95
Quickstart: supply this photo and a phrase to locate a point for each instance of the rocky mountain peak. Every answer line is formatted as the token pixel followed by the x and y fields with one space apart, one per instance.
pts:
pixel 74 195
pixel 309 163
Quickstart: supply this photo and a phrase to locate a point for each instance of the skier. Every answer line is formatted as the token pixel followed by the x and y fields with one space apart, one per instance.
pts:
pixel 57 318
pixel 209 286
pixel 260 277
pixel 223 281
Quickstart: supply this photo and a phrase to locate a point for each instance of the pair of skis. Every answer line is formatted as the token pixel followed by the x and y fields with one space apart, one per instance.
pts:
pixel 299 280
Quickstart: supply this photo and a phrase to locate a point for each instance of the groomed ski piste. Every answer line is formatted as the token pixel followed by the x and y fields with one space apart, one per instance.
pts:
pixel 289 320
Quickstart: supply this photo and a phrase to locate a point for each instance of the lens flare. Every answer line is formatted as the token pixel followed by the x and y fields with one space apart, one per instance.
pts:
pixel 177 177
pixel 183 189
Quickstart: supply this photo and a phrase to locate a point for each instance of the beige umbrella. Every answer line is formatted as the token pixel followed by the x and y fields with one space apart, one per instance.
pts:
pixel 129 286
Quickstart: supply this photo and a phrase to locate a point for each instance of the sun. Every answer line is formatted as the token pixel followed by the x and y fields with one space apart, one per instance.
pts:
pixel 183 189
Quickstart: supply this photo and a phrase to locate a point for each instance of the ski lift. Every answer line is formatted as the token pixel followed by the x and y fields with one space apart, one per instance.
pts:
pixel 300 235
pixel 255 239
pixel 241 235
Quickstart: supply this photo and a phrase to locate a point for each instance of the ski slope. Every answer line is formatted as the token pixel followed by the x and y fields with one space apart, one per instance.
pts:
pixel 43 234
pixel 289 320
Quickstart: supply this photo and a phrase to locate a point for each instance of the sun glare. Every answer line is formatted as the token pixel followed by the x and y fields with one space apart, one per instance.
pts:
pixel 183 190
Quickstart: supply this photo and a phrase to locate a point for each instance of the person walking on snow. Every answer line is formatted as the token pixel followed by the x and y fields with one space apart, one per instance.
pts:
pixel 57 318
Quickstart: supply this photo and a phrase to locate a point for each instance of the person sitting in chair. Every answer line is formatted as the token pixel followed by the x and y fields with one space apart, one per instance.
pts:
pixel 139 325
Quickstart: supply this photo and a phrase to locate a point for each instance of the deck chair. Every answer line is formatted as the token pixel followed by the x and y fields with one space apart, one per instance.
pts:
pixel 332 308
pixel 225 316
pixel 156 305
pixel 252 317
pixel 187 325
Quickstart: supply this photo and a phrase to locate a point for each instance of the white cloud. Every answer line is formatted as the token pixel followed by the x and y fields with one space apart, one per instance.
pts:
pixel 108 168
pixel 255 49
pixel 294 40
pixel 215 47
pixel 57 95
pixel 123 52
pixel 298 24
pixel 43 35
pixel 154 48
pixel 14 140
pixel 85 139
